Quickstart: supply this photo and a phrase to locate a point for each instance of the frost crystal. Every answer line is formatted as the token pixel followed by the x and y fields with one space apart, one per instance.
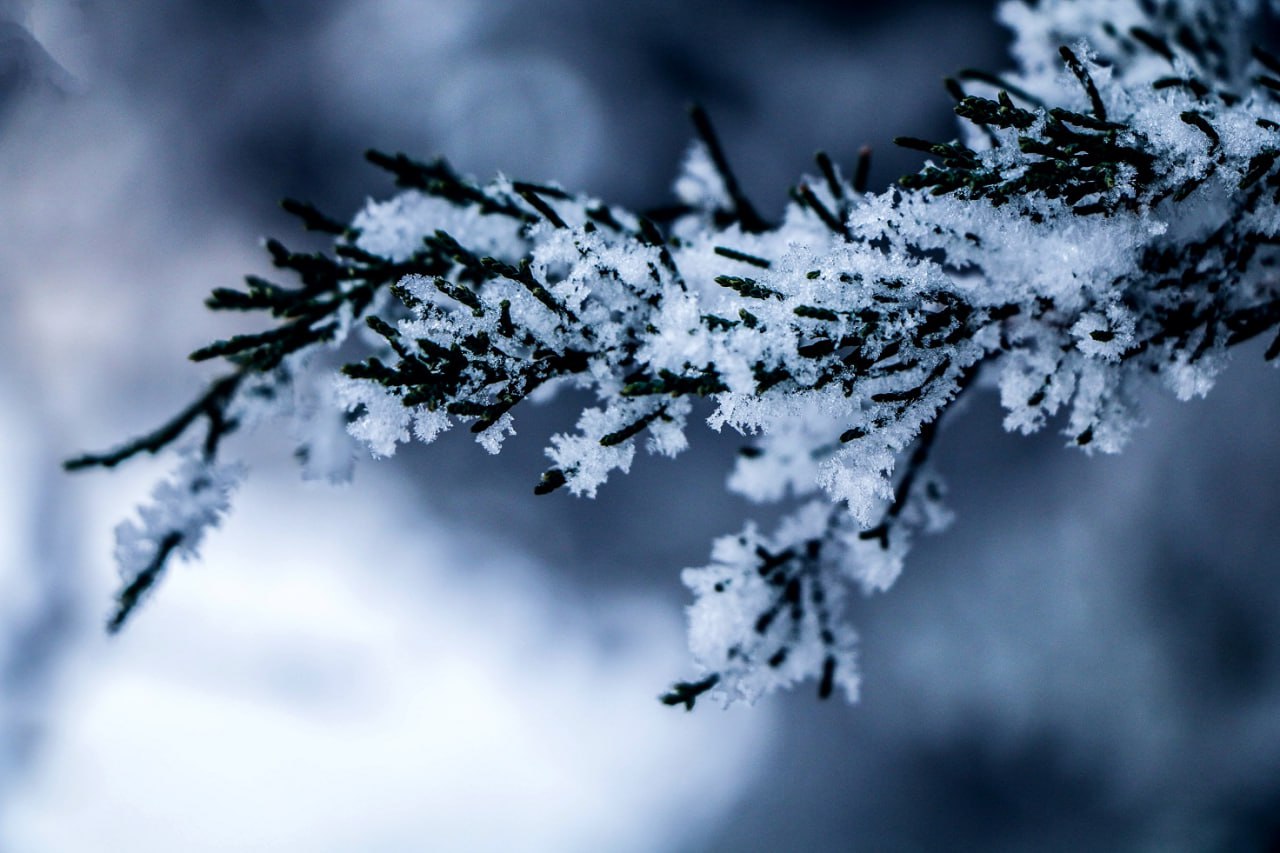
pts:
pixel 1108 218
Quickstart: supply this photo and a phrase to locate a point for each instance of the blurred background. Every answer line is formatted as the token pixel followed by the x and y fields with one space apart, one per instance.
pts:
pixel 432 659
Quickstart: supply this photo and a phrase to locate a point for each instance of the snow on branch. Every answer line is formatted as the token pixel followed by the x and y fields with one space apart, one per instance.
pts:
pixel 1108 216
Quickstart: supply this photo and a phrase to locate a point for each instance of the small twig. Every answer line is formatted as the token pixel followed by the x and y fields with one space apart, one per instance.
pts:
pixel 128 598
pixel 806 195
pixel 686 693
pixel 211 404
pixel 1086 80
pixel 919 456
pixel 743 210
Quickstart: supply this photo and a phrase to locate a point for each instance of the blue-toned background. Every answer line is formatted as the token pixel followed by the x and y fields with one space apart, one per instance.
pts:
pixel 432 658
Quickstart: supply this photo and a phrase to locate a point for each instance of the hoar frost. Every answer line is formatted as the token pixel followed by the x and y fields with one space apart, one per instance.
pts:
pixel 1107 218
pixel 182 508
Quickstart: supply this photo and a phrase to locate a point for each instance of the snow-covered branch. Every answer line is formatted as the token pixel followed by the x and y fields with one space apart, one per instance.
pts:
pixel 1109 216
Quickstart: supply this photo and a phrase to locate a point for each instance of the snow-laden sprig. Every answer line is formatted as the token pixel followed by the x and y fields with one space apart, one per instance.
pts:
pixel 1110 214
pixel 769 611
pixel 192 501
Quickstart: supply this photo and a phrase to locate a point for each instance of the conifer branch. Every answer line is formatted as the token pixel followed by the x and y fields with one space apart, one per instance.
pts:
pixel 1073 251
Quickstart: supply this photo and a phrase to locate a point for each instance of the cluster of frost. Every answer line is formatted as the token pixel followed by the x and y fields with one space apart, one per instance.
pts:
pixel 182 509
pixel 1109 216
